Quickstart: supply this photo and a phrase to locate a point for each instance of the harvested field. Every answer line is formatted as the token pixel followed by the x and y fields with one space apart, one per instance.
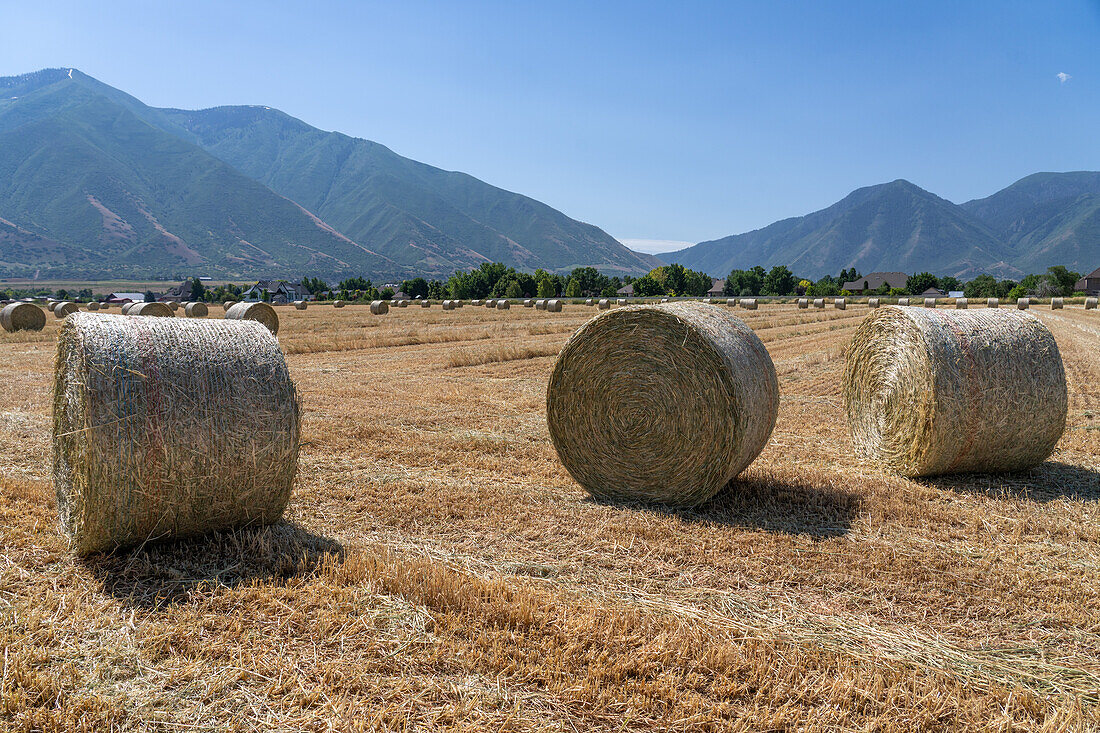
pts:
pixel 440 570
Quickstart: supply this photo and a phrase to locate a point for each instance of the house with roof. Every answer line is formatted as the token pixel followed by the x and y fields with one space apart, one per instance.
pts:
pixel 1089 284
pixel 125 298
pixel 280 291
pixel 876 280
pixel 717 288
pixel 933 293
pixel 626 290
pixel 182 293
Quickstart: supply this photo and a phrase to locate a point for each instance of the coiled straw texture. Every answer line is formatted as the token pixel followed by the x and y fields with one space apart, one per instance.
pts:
pixel 169 427
pixel 931 392
pixel 196 310
pixel 663 403
pixel 22 317
pixel 260 312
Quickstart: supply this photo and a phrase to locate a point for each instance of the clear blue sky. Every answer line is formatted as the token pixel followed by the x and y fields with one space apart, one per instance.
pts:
pixel 673 121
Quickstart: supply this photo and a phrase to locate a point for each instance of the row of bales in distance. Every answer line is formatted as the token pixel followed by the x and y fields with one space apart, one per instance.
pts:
pixel 29 316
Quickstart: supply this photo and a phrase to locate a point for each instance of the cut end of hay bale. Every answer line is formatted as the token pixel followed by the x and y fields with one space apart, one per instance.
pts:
pixel 1056 304
pixel 840 304
pixel 169 428
pixel 931 392
pixel 63 309
pixel 662 403
pixel 819 302
pixel 803 302
pixel 1090 304
pixel 961 304
pixel 379 307
pixel 158 310
pixel 196 310
pixel 259 312
pixel 872 302
pixel 22 317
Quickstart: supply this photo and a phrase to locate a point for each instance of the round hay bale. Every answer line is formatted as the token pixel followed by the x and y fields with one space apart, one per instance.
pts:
pixel 22 317
pixel 621 301
pixel 530 302
pixel 65 308
pixel 93 306
pixel 169 428
pixel 1023 303
pixel 338 304
pixel 903 301
pixel 589 301
pixel 50 305
pixel 930 392
pixel 803 303
pixel 553 306
pixel 260 312
pixel 540 304
pixel 379 307
pixel 228 304
pixel 196 310
pixel 872 302
pixel 819 302
pixel 664 300
pixel 448 305
pixel 961 304
pixel 402 304
pixel 604 304
pixel 992 303
pixel 1056 304
pixel 425 304
pixel 475 302
pixel 174 305
pixel 125 307
pixel 503 305
pixel 748 304
pixel 1090 304
pixel 840 304
pixel 929 302
pixel 731 302
pixel 158 310
pixel 300 305
pixel 662 403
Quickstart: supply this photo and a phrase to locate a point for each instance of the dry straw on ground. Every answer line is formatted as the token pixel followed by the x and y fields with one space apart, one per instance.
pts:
pixel 169 428
pixel 260 312
pixel 379 307
pixel 196 310
pixel 65 308
pixel 930 392
pixel 159 310
pixel 22 317
pixel 662 403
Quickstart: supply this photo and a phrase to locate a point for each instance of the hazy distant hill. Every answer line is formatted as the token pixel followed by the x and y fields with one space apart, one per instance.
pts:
pixel 119 188
pixel 1042 220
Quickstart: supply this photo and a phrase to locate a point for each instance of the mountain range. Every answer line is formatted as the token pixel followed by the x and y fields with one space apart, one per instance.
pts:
pixel 1041 220
pixel 96 184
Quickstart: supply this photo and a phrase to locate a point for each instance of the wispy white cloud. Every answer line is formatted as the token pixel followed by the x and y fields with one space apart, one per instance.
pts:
pixel 1063 77
pixel 653 246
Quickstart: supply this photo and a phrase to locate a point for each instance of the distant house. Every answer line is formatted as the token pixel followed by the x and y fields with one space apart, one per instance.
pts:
pixel 626 290
pixel 876 280
pixel 1089 284
pixel 280 291
pixel 401 295
pixel 933 293
pixel 126 298
pixel 955 294
pixel 182 293
pixel 717 287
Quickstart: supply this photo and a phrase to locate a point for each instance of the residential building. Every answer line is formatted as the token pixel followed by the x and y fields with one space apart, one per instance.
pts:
pixel 280 291
pixel 717 288
pixel 876 280
pixel 1089 284
pixel 626 290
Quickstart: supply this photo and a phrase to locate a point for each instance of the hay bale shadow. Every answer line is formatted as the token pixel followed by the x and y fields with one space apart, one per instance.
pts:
pixel 1049 481
pixel 770 504
pixel 166 573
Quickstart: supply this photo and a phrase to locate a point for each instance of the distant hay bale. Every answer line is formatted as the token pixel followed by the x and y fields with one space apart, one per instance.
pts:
pixel 621 301
pixel 903 301
pixel 93 306
pixel 503 305
pixel 1090 304
pixel 336 304
pixel 540 304
pixel 589 301
pixel 379 307
pixel 530 302
pixel 803 303
pixel 930 392
pixel 553 306
pixel 259 312
pixel 448 305
pixel 51 305
pixel 125 307
pixel 169 428
pixel 731 302
pixel 664 300
pixel 1023 304
pixel 929 302
pixel 401 303
pixel 961 304
pixel 748 304
pixel 157 310
pixel 475 302
pixel 196 310
pixel 1056 304
pixel 840 304
pixel 992 303
pixel 174 305
pixel 65 308
pixel 300 305
pixel 663 403
pixel 819 302
pixel 425 304
pixel 604 304
pixel 872 302
pixel 22 317
pixel 228 304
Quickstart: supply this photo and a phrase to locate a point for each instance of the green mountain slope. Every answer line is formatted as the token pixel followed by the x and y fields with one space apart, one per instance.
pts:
pixel 892 226
pixel 118 197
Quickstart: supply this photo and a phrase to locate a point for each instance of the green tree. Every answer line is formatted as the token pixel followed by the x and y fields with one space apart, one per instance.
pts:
pixel 572 288
pixel 354 283
pixel 982 286
pixel 745 282
pixel 85 294
pixel 948 283
pixel 514 290
pixel 778 281
pixel 1063 279
pixel 546 287
pixel 647 286
pixel 917 284
pixel 437 290
pixel 415 288
pixel 387 294
pixel 824 287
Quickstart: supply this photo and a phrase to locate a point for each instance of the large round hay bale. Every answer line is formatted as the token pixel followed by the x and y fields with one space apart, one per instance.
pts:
pixel 540 304
pixel 554 305
pixel 158 310
pixel 819 302
pixel 840 304
pixel 65 308
pixel 196 310
pixel 961 304
pixel 930 392
pixel 748 304
pixel 22 317
pixel 379 307
pixel 126 307
pixel 1023 303
pixel 1090 304
pixel 903 301
pixel 50 305
pixel 338 304
pixel 604 304
pixel 1056 304
pixel 992 303
pixel 503 305
pixel 93 306
pixel 260 312
pixel 872 302
pixel 169 428
pixel 300 305
pixel 663 402
pixel 803 303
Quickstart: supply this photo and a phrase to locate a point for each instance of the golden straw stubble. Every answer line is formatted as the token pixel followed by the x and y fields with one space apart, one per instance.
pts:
pixel 662 403
pixel 932 392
